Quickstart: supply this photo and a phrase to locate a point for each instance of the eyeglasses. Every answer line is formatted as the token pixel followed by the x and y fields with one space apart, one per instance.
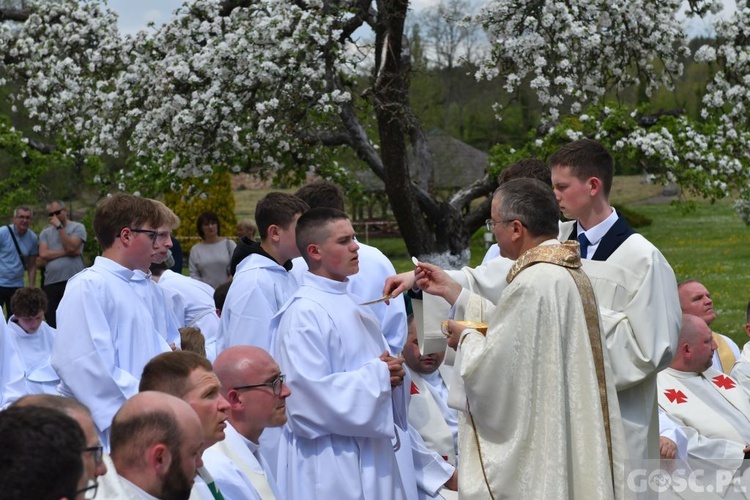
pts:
pixel 55 213
pixel 90 490
pixel 23 217
pixel 490 224
pixel 276 385
pixel 96 451
pixel 155 236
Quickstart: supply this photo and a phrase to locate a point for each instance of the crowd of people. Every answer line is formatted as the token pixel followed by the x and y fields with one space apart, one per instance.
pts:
pixel 272 373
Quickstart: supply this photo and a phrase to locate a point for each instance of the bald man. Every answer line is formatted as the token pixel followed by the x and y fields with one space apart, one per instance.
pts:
pixel 156 444
pixel 712 409
pixel 94 464
pixel 252 383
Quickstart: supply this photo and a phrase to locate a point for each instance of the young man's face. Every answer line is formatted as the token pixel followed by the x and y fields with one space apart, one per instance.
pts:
pixel 421 364
pixel 206 399
pixel 150 245
pixel 573 195
pixel 30 324
pixel 338 253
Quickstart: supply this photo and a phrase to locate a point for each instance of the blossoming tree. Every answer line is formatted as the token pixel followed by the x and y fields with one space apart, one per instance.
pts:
pixel 267 86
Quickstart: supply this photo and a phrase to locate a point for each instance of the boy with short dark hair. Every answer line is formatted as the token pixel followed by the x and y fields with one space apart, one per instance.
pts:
pixel 33 338
pixel 262 282
pixel 337 364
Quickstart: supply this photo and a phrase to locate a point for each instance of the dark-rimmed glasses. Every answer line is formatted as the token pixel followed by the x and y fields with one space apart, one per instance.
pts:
pixel 154 235
pixel 276 385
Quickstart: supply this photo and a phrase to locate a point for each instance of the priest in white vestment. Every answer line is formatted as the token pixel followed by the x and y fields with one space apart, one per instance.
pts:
pixel 537 423
pixel 340 439
pixel 712 408
pixel 695 299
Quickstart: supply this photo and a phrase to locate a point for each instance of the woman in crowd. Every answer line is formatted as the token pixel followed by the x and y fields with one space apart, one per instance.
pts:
pixel 209 260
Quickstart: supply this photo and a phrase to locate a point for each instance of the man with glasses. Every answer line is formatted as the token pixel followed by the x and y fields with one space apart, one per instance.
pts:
pixel 60 251
pixel 93 455
pixel 253 384
pixel 108 327
pixel 18 251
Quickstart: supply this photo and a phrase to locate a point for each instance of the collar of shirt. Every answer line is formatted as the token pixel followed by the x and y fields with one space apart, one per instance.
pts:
pixel 596 233
pixel 136 488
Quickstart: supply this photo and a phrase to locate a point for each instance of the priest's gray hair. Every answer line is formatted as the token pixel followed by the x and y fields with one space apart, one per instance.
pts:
pixel 533 203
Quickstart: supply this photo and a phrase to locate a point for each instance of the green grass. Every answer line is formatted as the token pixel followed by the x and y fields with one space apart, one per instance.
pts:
pixel 713 246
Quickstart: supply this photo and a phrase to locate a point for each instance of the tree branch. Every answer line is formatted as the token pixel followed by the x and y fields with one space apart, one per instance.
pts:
pixel 19 15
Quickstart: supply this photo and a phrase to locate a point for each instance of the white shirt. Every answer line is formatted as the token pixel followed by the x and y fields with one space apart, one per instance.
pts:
pixel 596 233
pixel 34 352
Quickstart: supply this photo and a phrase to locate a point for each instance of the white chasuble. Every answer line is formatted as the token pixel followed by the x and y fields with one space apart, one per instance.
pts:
pixel 536 427
pixel 712 409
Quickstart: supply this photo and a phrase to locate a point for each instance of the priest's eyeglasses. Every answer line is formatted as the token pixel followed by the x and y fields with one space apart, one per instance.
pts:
pixel 490 224
pixel 276 385
pixel 156 236
pixel 88 491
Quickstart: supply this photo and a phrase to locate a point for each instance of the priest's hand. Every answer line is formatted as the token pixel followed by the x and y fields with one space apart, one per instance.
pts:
pixel 435 281
pixel 454 331
pixel 667 448
pixel 452 483
pixel 397 284
pixel 395 367
pixel 746 449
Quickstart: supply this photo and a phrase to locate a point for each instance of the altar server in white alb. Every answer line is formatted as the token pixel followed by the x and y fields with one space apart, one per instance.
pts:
pixel 191 301
pixel 374 267
pixel 712 409
pixel 695 299
pixel 33 338
pixel 429 413
pixel 106 331
pixel 339 441
pixel 542 419
pixel 262 281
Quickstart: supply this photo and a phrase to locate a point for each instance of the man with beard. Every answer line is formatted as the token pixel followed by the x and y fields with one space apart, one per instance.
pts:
pixel 191 378
pixel 156 449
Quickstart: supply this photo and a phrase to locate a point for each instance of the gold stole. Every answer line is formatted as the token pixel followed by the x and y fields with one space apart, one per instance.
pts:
pixel 726 356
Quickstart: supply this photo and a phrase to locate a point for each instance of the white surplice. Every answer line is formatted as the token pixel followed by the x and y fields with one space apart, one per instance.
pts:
pixel 34 352
pixel 248 462
pixel 711 408
pixel 741 369
pixel 367 284
pixel 430 416
pixel 192 302
pixel 12 379
pixel 259 288
pixel 339 439
pixel 669 429
pixel 533 393
pixel 106 334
